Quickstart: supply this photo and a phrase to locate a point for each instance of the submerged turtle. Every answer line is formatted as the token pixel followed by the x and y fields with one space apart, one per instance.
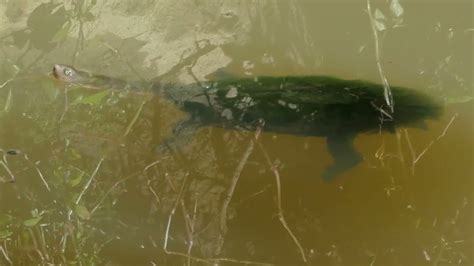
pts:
pixel 307 106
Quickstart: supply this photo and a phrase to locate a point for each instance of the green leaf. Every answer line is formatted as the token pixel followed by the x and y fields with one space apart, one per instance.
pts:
pixel 92 99
pixel 379 15
pixel 5 234
pixel 396 8
pixel 83 212
pixel 379 20
pixel 76 181
pixel 32 222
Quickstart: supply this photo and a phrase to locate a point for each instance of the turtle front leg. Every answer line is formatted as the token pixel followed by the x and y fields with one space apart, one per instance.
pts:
pixel 345 156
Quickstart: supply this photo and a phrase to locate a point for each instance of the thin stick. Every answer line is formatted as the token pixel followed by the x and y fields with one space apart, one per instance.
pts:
pixel 230 191
pixel 435 140
pixel 89 182
pixel 281 217
pixel 66 104
pixel 165 244
pixel 108 191
pixel 134 120
pixel 12 176
pixel 387 91
pixel 145 170
pixel 416 158
pixel 39 173
pixel 154 193
pixel 6 82
pixel 4 252
pixel 191 233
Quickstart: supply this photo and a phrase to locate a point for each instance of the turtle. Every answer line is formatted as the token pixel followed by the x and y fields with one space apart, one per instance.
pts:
pixel 320 106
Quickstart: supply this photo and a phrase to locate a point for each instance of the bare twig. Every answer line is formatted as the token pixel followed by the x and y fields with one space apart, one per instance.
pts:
pixel 12 176
pixel 145 170
pixel 387 91
pixel 6 82
pixel 178 199
pixel 191 232
pixel 281 216
pixel 66 104
pixel 39 172
pixel 89 182
pixel 110 190
pixel 154 193
pixel 416 158
pixel 134 120
pixel 5 254
pixel 230 191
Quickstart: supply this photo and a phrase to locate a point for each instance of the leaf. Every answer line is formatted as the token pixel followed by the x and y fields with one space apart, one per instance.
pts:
pixel 379 15
pixel 32 222
pixel 76 181
pixel 83 212
pixel 379 20
pixel 380 25
pixel 396 8
pixel 92 99
pixel 5 234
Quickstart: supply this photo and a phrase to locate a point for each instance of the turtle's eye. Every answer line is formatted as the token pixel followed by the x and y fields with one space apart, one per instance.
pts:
pixel 68 72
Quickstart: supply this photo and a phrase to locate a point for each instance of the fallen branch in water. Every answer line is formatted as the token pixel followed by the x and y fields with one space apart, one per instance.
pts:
pixel 230 191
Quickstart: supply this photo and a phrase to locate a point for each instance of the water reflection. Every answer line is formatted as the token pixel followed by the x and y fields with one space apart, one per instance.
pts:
pixel 89 188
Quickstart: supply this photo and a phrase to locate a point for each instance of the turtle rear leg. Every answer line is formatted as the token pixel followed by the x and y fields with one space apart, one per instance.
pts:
pixel 345 156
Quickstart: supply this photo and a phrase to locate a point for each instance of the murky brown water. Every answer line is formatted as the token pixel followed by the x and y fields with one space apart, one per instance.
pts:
pixel 88 188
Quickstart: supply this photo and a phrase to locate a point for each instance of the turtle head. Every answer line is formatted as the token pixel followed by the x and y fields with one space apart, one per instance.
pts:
pixel 68 74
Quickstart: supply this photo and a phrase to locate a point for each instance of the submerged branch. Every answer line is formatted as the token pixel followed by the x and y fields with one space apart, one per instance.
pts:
pixel 230 192
pixel 281 216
